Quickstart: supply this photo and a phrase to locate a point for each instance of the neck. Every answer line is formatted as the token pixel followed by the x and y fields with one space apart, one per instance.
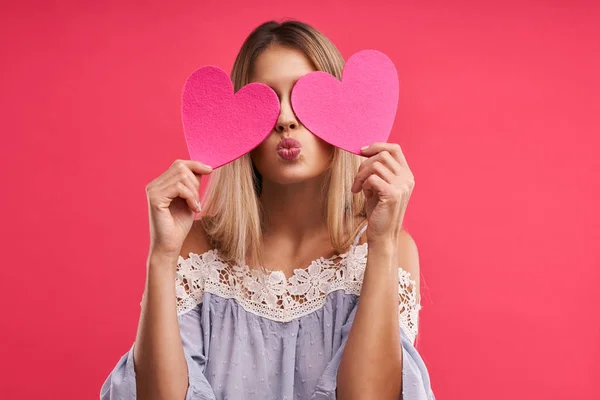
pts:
pixel 294 211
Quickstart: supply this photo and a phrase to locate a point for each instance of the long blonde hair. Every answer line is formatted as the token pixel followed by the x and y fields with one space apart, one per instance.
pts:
pixel 231 214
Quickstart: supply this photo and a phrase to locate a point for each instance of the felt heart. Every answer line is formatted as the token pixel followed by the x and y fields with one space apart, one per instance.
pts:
pixel 221 126
pixel 355 112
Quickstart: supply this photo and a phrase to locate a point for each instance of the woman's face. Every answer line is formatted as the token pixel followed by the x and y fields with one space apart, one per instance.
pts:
pixel 280 67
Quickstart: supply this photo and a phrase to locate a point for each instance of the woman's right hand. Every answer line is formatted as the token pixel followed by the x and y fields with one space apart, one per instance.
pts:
pixel 173 199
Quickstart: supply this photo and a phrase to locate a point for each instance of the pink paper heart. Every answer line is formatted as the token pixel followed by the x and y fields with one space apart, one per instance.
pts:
pixel 355 112
pixel 221 126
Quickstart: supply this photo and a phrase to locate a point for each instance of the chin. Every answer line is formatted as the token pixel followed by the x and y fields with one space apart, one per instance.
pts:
pixel 293 174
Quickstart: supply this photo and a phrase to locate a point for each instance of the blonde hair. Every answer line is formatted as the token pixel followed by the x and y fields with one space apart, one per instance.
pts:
pixel 232 216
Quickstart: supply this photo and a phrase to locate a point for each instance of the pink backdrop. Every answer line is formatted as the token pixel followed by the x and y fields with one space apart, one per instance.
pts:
pixel 498 119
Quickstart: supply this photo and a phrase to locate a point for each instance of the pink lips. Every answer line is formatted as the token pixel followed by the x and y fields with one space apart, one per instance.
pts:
pixel 289 149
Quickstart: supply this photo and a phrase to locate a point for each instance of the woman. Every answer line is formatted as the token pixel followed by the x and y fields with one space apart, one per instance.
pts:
pixel 268 277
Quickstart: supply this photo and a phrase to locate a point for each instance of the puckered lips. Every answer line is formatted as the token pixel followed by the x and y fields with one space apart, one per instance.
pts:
pixel 289 149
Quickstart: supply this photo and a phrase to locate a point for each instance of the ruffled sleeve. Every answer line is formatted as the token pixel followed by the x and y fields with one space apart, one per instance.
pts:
pixel 121 385
pixel 416 384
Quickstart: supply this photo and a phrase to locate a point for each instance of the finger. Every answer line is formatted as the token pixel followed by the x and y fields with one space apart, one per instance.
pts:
pixel 195 166
pixel 376 184
pixel 193 179
pixel 180 189
pixel 178 170
pixel 377 168
pixel 374 168
pixel 191 197
pixel 182 173
pixel 193 184
pixel 389 161
pixel 393 148
pixel 386 158
pixel 199 168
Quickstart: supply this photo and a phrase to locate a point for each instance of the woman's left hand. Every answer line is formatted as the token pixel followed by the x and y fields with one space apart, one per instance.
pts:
pixel 387 183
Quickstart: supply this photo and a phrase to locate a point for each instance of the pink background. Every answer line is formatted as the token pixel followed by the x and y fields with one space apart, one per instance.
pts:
pixel 498 118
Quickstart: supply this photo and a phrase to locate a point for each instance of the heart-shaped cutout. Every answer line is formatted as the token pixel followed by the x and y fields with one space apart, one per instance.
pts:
pixel 354 112
pixel 221 126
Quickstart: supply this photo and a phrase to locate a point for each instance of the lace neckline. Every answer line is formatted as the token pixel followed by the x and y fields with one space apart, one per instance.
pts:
pixel 270 272
pixel 274 296
pixel 269 294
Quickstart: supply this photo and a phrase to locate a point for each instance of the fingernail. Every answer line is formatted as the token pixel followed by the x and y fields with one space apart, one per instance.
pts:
pixel 198 206
pixel 208 166
pixel 364 148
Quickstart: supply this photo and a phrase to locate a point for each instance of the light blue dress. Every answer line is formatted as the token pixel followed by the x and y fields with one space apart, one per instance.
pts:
pixel 251 335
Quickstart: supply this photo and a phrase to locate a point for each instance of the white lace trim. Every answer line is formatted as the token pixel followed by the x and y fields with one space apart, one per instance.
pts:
pixel 274 297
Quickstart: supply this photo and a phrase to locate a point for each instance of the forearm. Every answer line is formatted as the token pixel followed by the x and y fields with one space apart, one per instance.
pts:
pixel 371 365
pixel 159 360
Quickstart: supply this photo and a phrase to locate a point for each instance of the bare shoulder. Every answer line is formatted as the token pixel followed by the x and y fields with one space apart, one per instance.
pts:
pixel 196 241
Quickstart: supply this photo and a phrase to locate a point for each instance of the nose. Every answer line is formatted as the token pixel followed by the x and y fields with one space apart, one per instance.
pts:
pixel 288 125
pixel 287 120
